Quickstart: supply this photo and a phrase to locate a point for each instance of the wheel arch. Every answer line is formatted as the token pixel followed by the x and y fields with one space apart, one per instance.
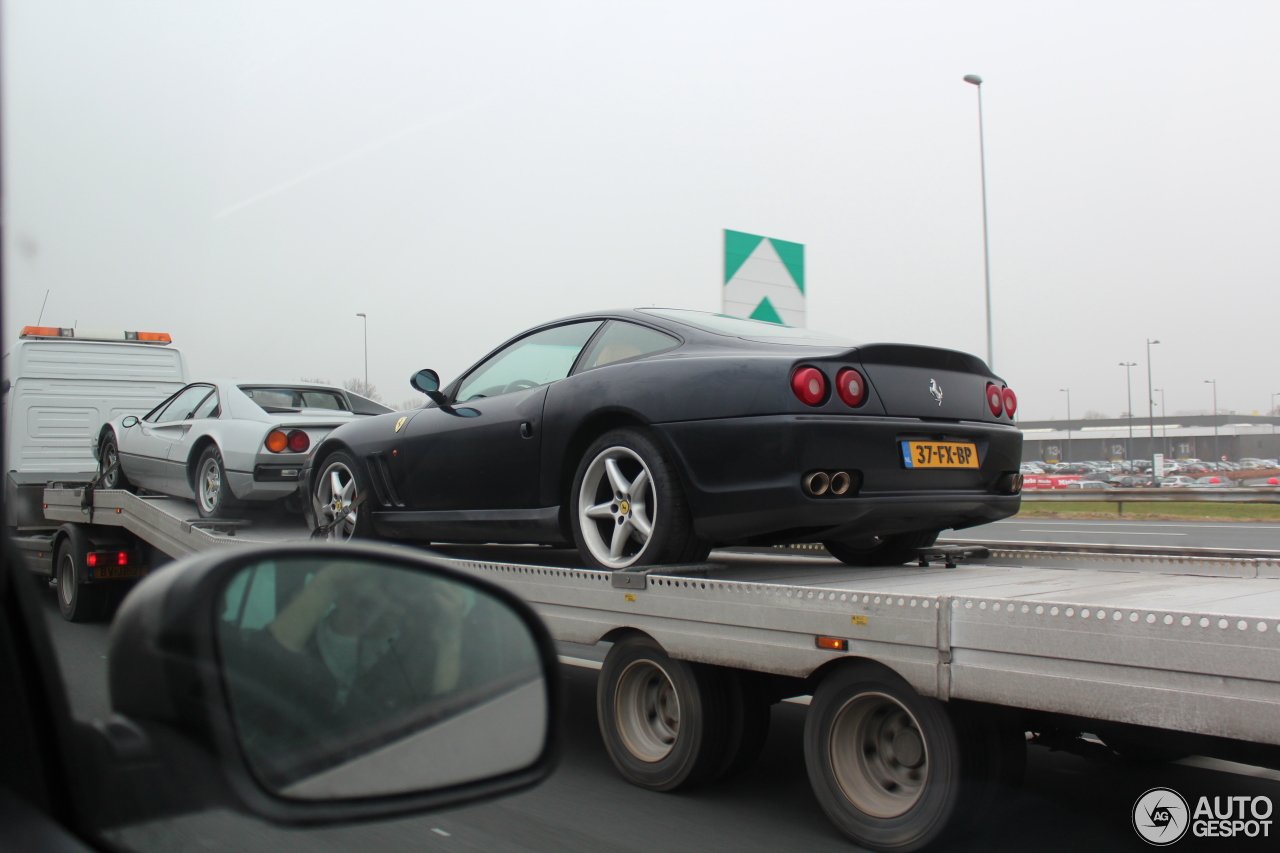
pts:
pixel 106 430
pixel 626 632
pixel 591 428
pixel 193 458
pixel 841 664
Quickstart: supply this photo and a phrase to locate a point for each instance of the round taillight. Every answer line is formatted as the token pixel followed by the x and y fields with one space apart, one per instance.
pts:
pixel 1010 401
pixel 993 399
pixel 851 387
pixel 809 385
pixel 277 441
pixel 298 441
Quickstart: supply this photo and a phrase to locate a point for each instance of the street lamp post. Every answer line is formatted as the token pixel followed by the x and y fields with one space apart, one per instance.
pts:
pixel 1164 423
pixel 1128 386
pixel 366 351
pixel 986 243
pixel 1151 414
pixel 1068 392
pixel 1214 383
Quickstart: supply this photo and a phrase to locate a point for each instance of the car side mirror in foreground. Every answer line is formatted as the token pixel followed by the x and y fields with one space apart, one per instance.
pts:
pixel 428 382
pixel 129 421
pixel 332 683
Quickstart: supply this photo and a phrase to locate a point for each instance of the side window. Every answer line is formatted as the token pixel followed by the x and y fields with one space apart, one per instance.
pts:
pixel 209 408
pixel 183 404
pixel 626 340
pixel 153 415
pixel 539 359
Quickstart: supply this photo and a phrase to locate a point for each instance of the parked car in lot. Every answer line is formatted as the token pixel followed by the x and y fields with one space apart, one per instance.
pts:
pixel 1178 481
pixel 221 443
pixel 646 436
pixel 1088 484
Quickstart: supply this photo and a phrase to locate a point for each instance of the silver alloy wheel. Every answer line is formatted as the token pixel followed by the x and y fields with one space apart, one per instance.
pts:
pixel 209 485
pixel 67 578
pixel 878 755
pixel 335 491
pixel 110 456
pixel 616 507
pixel 647 711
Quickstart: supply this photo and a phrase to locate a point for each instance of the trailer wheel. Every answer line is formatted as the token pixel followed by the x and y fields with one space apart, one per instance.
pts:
pixel 750 713
pixel 663 720
pixel 884 762
pixel 882 551
pixel 79 602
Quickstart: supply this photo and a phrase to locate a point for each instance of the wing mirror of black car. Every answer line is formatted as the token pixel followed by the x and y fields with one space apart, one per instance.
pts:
pixel 327 683
pixel 129 421
pixel 428 382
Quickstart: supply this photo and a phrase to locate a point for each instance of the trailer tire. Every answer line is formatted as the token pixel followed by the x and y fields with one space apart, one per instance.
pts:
pixel 79 602
pixel 663 721
pixel 888 551
pixel 750 714
pixel 884 761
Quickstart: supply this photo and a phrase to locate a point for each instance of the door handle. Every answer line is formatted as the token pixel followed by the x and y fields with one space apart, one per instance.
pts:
pixel 526 430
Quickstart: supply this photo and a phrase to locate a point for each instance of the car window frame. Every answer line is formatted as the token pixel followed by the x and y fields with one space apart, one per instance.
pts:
pixel 214 413
pixel 153 417
pixel 580 368
pixel 456 386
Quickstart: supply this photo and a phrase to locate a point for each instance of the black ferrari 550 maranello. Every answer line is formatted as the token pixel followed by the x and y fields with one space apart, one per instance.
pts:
pixel 648 436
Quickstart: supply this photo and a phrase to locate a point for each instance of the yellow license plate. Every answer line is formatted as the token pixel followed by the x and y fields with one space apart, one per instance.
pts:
pixel 106 573
pixel 939 454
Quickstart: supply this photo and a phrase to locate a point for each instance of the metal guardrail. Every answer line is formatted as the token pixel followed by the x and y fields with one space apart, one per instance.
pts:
pixel 1265 495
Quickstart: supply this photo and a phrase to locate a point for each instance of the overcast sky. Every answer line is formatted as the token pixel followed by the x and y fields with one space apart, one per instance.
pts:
pixel 249 175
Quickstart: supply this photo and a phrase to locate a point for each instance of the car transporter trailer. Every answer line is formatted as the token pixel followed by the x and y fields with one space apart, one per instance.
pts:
pixel 926 681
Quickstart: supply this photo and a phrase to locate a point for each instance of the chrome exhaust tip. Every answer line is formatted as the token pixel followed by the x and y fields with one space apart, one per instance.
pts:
pixel 816 484
pixel 840 483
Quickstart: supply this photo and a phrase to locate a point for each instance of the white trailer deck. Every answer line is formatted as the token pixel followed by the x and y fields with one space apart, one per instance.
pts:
pixel 1162 642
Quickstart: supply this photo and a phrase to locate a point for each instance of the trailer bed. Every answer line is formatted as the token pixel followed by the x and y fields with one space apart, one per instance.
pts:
pixel 1155 643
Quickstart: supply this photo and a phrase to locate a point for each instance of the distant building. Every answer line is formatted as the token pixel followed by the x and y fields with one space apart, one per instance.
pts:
pixel 1177 437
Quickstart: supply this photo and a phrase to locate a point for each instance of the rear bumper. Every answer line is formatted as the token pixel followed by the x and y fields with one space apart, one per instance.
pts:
pixel 742 476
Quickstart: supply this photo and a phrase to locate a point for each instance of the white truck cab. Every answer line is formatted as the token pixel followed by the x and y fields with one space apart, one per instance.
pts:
pixel 61 386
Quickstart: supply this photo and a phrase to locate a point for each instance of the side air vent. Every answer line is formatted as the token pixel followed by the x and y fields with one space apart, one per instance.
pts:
pixel 380 476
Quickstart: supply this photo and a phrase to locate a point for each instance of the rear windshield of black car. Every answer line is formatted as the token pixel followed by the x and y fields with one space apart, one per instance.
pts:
pixel 276 399
pixel 723 324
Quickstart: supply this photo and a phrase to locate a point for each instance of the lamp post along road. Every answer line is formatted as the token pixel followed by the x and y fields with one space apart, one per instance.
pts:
pixel 1068 392
pixel 1128 387
pixel 976 81
pixel 365 317
pixel 1164 424
pixel 1151 414
pixel 1214 383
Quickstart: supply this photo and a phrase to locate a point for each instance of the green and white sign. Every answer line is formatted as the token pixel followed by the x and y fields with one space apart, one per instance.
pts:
pixel 763 279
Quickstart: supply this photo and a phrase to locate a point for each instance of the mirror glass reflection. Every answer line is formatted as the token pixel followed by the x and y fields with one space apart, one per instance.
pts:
pixel 354 678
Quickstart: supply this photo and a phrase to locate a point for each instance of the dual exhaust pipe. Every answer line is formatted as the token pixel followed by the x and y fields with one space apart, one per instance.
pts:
pixel 817 484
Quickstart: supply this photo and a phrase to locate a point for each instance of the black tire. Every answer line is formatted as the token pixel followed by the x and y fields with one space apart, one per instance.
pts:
pixel 750 713
pixel 660 503
pixel 108 453
pixel 882 551
pixel 79 602
pixel 898 794
pixel 640 687
pixel 212 490
pixel 323 502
